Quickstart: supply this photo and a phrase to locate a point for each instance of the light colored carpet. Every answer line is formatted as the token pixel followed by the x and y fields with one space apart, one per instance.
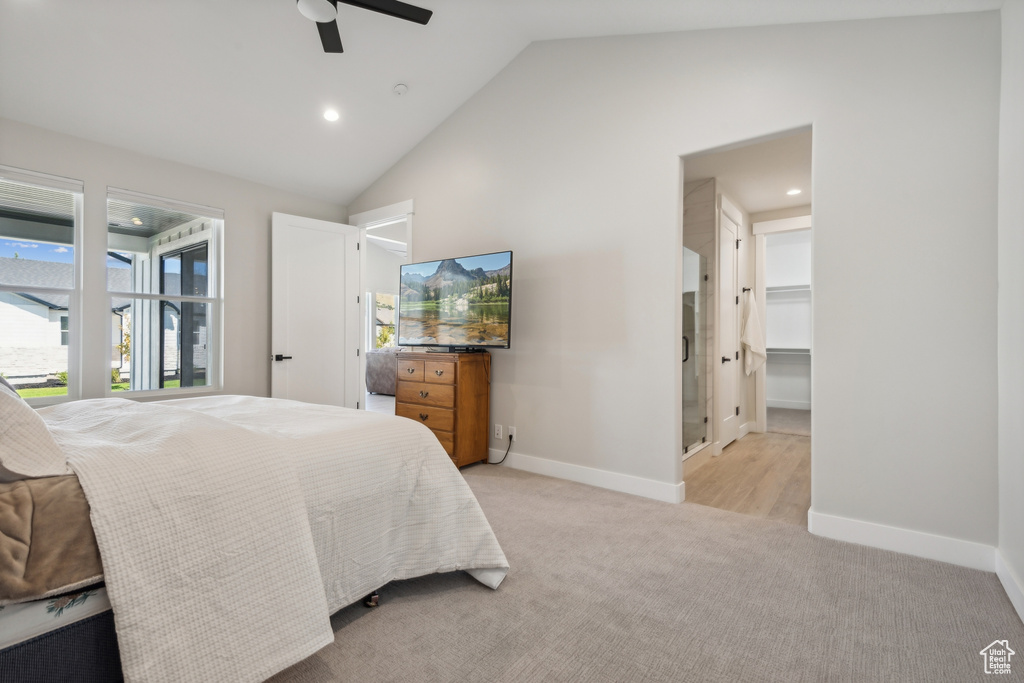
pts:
pixel 789 421
pixel 609 587
pixel 380 403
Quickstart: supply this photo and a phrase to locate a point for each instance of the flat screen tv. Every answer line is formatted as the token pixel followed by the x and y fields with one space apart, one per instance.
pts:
pixel 458 303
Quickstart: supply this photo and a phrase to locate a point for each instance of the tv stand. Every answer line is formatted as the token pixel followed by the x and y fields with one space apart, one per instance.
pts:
pixel 449 393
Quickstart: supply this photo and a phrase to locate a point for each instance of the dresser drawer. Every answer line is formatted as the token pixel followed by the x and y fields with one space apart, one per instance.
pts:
pixel 411 370
pixel 438 372
pixel 436 418
pixel 425 394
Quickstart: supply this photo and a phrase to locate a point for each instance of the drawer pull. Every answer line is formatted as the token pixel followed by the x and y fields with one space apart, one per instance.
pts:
pixel 424 394
pixel 424 416
pixel 411 370
pixel 438 372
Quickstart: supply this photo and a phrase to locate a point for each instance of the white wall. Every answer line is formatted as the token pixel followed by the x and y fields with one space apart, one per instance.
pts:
pixel 788 258
pixel 570 158
pixel 247 207
pixel 382 269
pixel 691 271
pixel 1011 305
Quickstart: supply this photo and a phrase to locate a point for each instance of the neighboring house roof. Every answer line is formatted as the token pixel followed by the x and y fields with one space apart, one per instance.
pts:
pixel 33 273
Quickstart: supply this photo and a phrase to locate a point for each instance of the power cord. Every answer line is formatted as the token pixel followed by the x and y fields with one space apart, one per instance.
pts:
pixel 506 452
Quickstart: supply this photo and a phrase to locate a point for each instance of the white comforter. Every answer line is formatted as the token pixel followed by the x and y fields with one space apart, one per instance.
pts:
pixel 202 507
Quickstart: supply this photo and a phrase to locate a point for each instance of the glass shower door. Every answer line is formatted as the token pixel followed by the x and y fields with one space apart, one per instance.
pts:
pixel 695 330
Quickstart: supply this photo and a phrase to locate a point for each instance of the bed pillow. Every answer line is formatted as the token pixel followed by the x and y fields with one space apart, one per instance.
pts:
pixel 26 446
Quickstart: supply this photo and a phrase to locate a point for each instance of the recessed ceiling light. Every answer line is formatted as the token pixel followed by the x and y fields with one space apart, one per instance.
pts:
pixel 794 191
pixel 331 115
pixel 136 221
pixel 400 88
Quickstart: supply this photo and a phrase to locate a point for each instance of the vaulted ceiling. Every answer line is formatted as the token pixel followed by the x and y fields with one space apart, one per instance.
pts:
pixel 240 87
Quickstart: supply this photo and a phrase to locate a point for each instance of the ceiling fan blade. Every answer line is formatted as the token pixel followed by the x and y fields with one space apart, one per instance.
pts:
pixel 329 36
pixel 394 8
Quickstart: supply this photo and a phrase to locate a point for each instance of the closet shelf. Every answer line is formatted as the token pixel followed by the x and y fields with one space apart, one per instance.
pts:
pixel 789 352
pixel 788 288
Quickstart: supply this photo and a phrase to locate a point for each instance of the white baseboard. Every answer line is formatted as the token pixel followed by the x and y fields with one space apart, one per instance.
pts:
pixel 918 543
pixel 742 431
pixel 616 481
pixel 1011 584
pixel 752 428
pixel 792 405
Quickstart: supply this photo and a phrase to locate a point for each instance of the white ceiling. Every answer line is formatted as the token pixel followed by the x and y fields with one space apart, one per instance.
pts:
pixel 239 87
pixel 758 175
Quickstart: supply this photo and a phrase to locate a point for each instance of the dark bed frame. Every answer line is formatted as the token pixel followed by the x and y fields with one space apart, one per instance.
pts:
pixel 82 652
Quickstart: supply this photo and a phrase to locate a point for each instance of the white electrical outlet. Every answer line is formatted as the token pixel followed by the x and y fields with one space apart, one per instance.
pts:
pixel 512 432
pixel 497 431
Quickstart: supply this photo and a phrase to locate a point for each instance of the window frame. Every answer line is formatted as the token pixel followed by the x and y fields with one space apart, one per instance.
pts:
pixel 75 297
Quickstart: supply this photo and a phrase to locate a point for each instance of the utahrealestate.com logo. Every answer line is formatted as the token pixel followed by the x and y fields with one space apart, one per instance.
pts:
pixel 997 657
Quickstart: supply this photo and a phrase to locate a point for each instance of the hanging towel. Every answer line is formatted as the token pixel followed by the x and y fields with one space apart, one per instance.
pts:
pixel 751 337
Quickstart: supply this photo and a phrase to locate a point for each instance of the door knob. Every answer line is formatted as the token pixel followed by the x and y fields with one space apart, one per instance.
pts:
pixel 726 359
pixel 280 357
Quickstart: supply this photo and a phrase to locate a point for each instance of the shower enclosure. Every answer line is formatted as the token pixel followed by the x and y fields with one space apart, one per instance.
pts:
pixel 696 372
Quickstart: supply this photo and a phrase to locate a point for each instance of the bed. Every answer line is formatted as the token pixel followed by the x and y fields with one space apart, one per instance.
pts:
pixel 225 530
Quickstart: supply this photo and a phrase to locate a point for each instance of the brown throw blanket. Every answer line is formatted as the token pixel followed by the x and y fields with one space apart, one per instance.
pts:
pixel 47 545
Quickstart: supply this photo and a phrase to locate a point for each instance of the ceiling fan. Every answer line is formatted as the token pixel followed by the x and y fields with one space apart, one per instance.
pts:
pixel 325 14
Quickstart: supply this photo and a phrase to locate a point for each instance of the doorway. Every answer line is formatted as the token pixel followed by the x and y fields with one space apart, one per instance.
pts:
pixel 741 206
pixel 388 243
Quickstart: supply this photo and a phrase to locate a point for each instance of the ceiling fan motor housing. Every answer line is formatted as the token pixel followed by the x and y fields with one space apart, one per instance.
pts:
pixel 320 11
pixel 325 14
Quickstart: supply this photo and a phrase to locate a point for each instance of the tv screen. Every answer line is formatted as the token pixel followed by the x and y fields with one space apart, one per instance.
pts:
pixel 458 302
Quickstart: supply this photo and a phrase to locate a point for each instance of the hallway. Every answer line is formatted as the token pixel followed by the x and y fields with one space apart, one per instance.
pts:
pixel 763 475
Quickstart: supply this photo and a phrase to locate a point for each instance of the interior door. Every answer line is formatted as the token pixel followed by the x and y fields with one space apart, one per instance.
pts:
pixel 728 334
pixel 315 327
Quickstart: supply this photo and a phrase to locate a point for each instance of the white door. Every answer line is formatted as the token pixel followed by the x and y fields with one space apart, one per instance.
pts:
pixel 728 334
pixel 315 327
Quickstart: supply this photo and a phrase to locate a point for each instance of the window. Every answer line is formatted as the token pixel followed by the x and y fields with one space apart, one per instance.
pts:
pixel 185 325
pixel 39 224
pixel 162 280
pixel 384 320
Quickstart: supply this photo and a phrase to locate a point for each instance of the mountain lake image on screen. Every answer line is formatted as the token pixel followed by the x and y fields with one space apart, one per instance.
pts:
pixel 458 302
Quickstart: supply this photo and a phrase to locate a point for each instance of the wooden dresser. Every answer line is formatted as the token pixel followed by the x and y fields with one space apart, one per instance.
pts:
pixel 451 394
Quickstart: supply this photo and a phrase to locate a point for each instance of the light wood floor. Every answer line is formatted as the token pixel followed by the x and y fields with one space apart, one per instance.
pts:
pixel 763 475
